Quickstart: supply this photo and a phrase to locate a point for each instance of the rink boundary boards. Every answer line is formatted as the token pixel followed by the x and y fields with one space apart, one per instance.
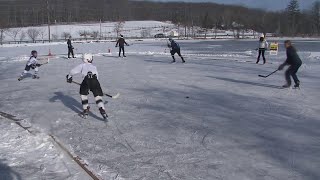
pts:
pixel 55 141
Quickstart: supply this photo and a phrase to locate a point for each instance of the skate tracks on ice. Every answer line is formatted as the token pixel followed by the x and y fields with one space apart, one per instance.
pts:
pixel 206 119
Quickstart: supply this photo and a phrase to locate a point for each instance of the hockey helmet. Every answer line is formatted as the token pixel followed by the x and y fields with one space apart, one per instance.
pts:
pixel 34 53
pixel 87 58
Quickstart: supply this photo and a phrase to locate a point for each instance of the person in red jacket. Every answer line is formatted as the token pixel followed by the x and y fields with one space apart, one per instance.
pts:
pixel 121 42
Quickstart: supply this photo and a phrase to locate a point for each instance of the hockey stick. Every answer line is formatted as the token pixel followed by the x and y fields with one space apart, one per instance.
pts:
pixel 113 97
pixel 48 61
pixel 269 74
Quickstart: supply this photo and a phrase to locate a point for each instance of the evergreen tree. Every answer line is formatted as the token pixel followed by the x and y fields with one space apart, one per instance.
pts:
pixel 315 13
pixel 293 12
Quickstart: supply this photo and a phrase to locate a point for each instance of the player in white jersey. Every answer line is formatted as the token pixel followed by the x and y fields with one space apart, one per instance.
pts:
pixel 31 64
pixel 90 83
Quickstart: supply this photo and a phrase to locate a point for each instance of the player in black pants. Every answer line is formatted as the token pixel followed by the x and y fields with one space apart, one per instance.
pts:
pixel 90 83
pixel 70 48
pixel 263 46
pixel 175 48
pixel 121 42
pixel 294 62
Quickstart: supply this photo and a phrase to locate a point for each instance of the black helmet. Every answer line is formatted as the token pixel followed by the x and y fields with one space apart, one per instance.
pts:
pixel 34 53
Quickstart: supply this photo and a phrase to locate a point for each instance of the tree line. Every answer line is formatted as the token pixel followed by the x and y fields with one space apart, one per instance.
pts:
pixel 291 21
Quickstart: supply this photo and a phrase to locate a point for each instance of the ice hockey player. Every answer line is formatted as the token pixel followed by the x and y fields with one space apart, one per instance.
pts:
pixel 294 62
pixel 31 64
pixel 263 46
pixel 70 48
pixel 175 48
pixel 90 83
pixel 121 42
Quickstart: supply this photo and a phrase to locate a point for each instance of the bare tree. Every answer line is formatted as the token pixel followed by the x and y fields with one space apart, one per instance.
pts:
pixel 315 13
pixel 84 34
pixel 94 34
pixel 33 34
pixel 287 22
pixel 118 27
pixel 54 37
pixel 3 29
pixel 22 36
pixel 13 33
pixel 65 35
pixel 42 33
pixel 206 24
pixel 2 36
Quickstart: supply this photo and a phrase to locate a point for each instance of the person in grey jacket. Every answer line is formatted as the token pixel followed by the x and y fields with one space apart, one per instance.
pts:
pixel 263 46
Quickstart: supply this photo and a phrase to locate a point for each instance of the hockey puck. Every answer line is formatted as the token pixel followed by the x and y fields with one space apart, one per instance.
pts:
pixel 187 97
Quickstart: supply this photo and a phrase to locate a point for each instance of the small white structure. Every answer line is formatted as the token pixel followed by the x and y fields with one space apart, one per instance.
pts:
pixel 174 33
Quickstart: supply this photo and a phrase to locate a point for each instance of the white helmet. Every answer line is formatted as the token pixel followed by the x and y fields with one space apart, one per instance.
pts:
pixel 87 58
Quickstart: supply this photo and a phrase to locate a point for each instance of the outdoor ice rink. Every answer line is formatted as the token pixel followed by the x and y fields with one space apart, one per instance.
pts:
pixel 211 118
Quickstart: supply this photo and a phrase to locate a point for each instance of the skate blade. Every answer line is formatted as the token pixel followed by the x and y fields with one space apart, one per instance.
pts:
pixel 105 118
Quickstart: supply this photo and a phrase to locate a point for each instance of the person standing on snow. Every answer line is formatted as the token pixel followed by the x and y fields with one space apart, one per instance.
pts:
pixel 90 83
pixel 31 64
pixel 121 42
pixel 263 46
pixel 70 48
pixel 294 62
pixel 175 48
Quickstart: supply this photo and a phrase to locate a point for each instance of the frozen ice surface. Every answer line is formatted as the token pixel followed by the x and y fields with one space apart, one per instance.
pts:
pixel 211 118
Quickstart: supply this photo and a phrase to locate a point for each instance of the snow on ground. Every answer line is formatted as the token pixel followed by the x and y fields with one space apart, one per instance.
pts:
pixel 132 29
pixel 212 118
pixel 25 156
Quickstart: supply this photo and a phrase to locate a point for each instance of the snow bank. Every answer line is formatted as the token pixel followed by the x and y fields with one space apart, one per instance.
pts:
pixel 25 156
pixel 315 55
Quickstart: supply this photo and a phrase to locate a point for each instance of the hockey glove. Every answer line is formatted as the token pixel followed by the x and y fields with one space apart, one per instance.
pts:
pixel 33 66
pixel 69 79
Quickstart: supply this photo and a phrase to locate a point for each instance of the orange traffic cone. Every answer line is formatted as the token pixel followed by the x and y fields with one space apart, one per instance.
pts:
pixel 49 53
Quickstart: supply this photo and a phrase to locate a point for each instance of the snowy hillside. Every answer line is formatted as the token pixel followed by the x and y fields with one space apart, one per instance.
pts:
pixel 132 29
pixel 211 118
